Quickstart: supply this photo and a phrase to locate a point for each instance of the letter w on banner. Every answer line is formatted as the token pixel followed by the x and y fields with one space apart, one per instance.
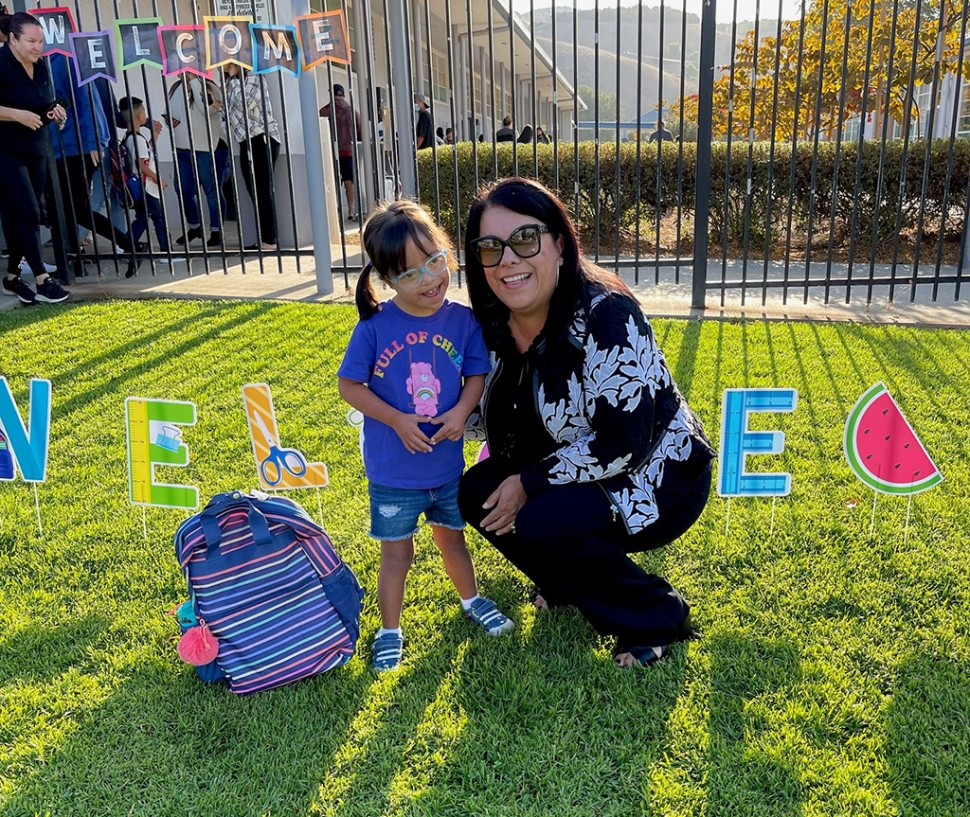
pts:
pixel 57 24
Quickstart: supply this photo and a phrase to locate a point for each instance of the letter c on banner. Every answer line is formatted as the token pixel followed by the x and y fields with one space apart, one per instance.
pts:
pixel 183 37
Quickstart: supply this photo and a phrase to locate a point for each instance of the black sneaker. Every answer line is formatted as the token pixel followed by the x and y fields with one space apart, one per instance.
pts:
pixel 215 239
pixel 190 236
pixel 51 292
pixel 20 289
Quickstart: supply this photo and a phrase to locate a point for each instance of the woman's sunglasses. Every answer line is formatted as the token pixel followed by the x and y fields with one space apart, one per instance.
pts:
pixel 433 267
pixel 525 242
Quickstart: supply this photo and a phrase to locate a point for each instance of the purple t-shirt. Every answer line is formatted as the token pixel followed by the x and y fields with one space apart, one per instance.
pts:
pixel 416 365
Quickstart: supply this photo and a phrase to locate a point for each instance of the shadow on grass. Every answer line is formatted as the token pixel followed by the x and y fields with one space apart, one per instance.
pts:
pixel 162 744
pixel 746 775
pixel 927 736
pixel 41 652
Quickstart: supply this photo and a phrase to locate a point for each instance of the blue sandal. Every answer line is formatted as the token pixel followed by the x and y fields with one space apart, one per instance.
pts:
pixel 388 651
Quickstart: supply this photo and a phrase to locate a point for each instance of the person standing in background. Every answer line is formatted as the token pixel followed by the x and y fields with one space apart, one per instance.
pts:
pixel 27 104
pixel 424 129
pixel 347 123
pixel 195 114
pixel 250 117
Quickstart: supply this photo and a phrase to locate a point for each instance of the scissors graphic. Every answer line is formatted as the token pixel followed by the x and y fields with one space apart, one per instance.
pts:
pixel 279 459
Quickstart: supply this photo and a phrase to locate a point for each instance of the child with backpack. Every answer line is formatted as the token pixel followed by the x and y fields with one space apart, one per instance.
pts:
pixel 140 158
pixel 415 368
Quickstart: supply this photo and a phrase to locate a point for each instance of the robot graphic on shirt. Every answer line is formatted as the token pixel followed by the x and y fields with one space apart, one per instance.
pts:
pixel 424 387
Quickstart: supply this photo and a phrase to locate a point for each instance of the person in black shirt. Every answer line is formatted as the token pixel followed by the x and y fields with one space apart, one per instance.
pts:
pixel 593 452
pixel 506 133
pixel 661 134
pixel 26 107
pixel 424 131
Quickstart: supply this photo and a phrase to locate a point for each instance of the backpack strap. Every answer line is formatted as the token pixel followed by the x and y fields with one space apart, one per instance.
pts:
pixel 223 502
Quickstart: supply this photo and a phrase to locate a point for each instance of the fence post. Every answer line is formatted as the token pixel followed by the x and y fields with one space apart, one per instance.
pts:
pixel 319 222
pixel 705 111
pixel 403 101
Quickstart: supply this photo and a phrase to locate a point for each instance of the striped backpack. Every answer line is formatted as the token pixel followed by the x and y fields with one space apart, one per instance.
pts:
pixel 270 601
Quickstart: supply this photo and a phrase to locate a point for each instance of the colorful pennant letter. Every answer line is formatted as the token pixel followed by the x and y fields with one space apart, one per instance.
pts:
pixel 27 450
pixel 277 49
pixel 278 468
pixel 738 442
pixel 138 42
pixel 154 438
pixel 57 24
pixel 228 40
pixel 183 50
pixel 323 37
pixel 93 57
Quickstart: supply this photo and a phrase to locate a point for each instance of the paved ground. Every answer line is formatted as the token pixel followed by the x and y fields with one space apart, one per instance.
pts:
pixel 288 279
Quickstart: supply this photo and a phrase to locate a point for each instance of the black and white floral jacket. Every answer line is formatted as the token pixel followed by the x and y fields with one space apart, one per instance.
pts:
pixel 614 409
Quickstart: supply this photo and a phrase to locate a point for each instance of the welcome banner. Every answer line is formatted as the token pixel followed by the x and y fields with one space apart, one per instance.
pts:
pixel 198 49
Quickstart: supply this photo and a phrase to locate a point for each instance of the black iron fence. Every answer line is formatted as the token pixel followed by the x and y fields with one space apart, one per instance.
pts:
pixel 824 149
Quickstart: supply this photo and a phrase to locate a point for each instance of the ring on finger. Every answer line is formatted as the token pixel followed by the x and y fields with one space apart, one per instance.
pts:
pixel 512 526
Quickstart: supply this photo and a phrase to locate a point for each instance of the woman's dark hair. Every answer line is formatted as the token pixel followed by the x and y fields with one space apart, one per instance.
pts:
pixel 14 24
pixel 526 136
pixel 385 239
pixel 535 200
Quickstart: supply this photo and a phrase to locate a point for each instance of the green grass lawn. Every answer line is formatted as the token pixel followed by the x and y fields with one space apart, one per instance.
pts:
pixel 832 678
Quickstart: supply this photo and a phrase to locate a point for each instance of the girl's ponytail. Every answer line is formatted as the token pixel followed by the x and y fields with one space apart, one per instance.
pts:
pixel 366 296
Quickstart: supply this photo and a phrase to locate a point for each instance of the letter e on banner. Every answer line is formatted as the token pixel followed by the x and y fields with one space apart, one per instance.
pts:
pixel 93 57
pixel 323 37
pixel 738 442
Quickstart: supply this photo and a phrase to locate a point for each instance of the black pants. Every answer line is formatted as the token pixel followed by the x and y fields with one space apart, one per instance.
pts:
pixel 74 174
pixel 24 183
pixel 567 541
pixel 259 160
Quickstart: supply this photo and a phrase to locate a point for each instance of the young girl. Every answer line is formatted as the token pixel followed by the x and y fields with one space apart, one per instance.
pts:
pixel 415 367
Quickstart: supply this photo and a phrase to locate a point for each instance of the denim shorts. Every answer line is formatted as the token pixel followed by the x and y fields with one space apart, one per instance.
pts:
pixel 394 512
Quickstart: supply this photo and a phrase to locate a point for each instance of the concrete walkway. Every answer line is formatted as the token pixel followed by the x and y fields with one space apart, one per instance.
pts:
pixel 292 279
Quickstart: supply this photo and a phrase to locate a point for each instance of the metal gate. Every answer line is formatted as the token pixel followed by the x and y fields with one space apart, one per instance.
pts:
pixel 822 148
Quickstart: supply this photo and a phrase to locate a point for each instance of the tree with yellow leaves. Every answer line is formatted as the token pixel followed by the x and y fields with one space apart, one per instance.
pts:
pixel 817 75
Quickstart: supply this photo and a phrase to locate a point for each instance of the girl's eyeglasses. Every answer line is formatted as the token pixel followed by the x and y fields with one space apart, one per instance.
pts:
pixel 525 242
pixel 436 265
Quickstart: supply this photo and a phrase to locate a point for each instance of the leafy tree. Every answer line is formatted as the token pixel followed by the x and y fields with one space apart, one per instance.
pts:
pixel 833 32
pixel 611 109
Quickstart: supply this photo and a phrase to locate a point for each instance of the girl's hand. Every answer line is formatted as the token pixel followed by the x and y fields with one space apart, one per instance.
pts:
pixel 29 119
pixel 452 426
pixel 414 439
pixel 505 503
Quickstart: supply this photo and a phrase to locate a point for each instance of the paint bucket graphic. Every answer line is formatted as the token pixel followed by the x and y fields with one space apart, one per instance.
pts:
pixel 6 458
pixel 169 437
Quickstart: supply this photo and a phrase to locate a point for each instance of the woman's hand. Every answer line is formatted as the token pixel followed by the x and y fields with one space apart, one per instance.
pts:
pixel 95 157
pixel 505 503
pixel 414 439
pixel 452 424
pixel 58 114
pixel 29 119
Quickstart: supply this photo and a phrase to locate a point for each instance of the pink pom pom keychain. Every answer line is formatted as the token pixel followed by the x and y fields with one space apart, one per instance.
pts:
pixel 198 646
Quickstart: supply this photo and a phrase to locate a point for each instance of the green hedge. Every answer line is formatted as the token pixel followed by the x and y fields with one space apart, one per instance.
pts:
pixel 729 201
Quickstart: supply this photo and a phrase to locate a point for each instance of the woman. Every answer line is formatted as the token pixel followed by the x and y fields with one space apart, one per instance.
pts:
pixel 195 114
pixel 594 454
pixel 26 108
pixel 250 115
pixel 541 137
pixel 526 137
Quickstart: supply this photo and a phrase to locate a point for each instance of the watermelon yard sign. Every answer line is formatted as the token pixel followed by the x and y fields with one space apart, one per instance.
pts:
pixel 883 450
